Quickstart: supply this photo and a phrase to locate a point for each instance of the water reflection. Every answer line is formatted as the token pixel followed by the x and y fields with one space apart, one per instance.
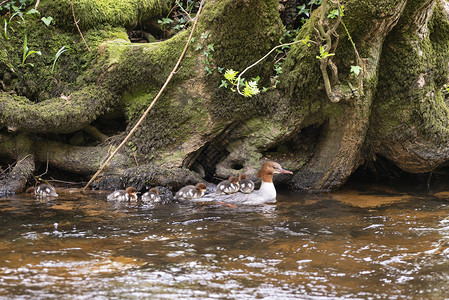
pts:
pixel 357 243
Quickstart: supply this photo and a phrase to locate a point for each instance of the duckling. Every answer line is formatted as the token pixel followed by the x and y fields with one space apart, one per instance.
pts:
pixel 191 192
pixel 246 185
pixel 152 196
pixel 130 193
pixel 229 186
pixel 42 190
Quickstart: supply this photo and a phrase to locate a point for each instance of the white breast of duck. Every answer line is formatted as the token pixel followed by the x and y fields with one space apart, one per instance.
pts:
pixel 229 186
pixel 191 192
pixel 124 195
pixel 266 193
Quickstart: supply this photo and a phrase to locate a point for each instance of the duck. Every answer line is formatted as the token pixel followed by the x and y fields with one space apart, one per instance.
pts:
pixel 191 192
pixel 152 196
pixel 229 186
pixel 246 185
pixel 42 190
pixel 130 193
pixel 265 194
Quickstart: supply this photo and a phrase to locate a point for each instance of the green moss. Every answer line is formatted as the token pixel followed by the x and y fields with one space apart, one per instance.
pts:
pixel 97 13
pixel 39 82
pixel 411 82
pixel 253 29
pixel 144 66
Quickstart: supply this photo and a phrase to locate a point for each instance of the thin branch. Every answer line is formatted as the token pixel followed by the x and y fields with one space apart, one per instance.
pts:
pixel 6 1
pixel 182 8
pixel 79 30
pixel 152 103
pixel 265 56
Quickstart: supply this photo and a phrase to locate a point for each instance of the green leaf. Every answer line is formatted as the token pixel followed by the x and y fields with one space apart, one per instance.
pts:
pixel 250 89
pixel 165 21
pixel 303 10
pixel 58 54
pixel 356 70
pixel 32 11
pixel 256 79
pixel 224 84
pixel 324 54
pixel 306 40
pixel 230 75
pixel 334 13
pixel 47 20
pixel 5 29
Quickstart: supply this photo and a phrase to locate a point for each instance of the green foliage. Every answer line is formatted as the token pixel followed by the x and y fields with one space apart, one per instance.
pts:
pixel 306 41
pixel 27 52
pixel 355 70
pixel 47 20
pixel 58 54
pixel 335 13
pixel 231 75
pixel 18 16
pixel 208 55
pixel 7 22
pixel 303 10
pixel 179 16
pixel 324 54
pixel 14 3
pixel 250 88
pixel 165 21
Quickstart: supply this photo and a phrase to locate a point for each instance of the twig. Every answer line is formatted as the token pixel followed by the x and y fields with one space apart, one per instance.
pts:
pixel 182 8
pixel 265 56
pixel 64 182
pixel 46 169
pixel 6 1
pixel 152 103
pixel 11 166
pixel 79 30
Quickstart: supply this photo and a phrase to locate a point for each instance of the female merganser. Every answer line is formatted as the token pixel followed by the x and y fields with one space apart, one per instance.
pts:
pixel 191 192
pixel 124 195
pixel 246 185
pixel 229 186
pixel 152 196
pixel 266 193
pixel 42 190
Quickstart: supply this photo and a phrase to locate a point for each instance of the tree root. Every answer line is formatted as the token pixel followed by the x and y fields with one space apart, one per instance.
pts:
pixel 28 150
pixel 16 180
pixel 54 115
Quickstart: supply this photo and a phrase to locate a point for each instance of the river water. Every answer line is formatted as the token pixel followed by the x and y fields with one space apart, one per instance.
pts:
pixel 363 242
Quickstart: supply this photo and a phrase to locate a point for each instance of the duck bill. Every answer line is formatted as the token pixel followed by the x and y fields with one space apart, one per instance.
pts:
pixel 285 171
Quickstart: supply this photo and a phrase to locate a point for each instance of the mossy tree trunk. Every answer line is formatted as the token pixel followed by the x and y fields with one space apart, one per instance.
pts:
pixel 396 109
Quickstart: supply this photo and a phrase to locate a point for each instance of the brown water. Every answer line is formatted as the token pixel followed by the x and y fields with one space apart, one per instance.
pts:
pixel 362 243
